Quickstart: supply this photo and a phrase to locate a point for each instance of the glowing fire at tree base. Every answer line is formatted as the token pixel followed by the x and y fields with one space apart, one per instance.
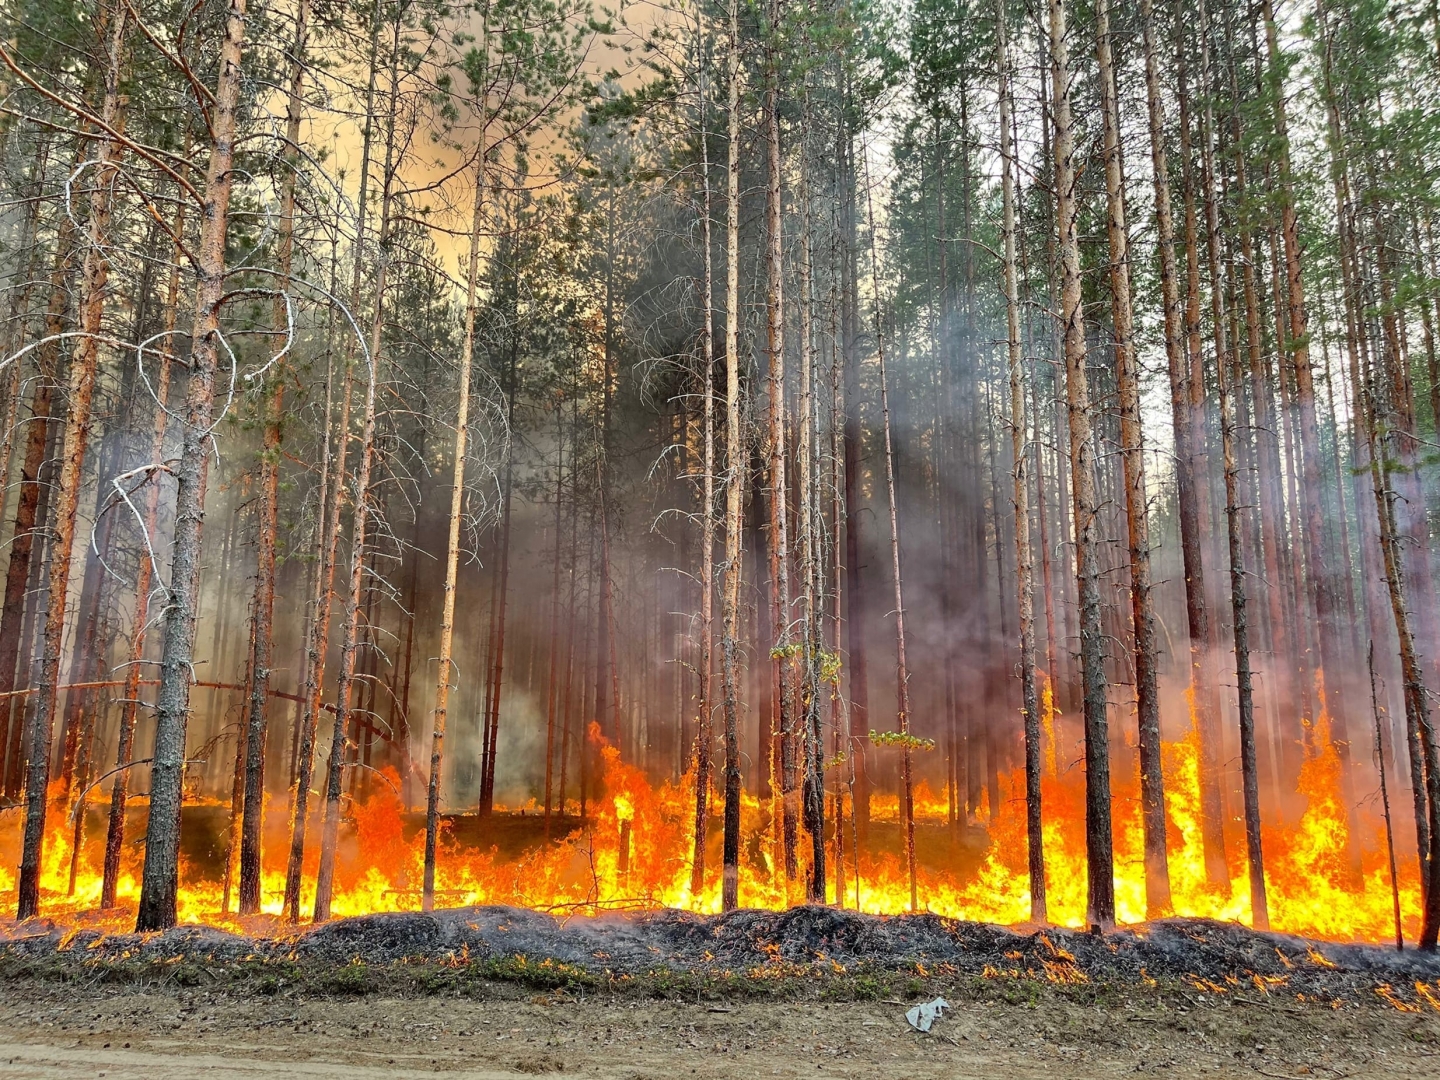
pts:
pixel 632 852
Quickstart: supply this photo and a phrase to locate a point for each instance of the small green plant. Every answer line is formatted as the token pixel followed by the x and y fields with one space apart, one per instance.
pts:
pixel 901 740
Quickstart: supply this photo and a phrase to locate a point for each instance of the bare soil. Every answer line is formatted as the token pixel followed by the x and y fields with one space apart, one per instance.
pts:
pixel 811 992
pixel 159 1033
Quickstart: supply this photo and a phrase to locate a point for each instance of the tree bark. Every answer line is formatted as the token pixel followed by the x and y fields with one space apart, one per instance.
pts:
pixel 1100 905
pixel 144 580
pixel 344 683
pixel 734 479
pixel 781 651
pixel 159 883
pixel 1137 517
pixel 705 661
pixel 268 488
pixel 1204 645
pixel 902 667
pixel 1024 575
pixel 452 543
pixel 79 399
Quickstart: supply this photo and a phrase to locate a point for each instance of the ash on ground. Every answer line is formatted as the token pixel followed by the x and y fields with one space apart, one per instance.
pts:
pixel 1210 956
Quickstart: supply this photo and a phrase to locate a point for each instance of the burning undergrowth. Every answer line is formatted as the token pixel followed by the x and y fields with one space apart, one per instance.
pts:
pixel 753 951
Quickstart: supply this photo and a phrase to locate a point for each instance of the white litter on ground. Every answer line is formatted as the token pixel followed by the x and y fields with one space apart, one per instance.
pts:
pixel 921 1017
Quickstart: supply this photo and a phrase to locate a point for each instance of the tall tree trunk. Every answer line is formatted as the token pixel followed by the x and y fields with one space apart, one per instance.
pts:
pixel 502 592
pixel 1417 702
pixel 1137 518
pixel 33 493
pixel 1318 557
pixel 705 661
pixel 144 579
pixel 781 652
pixel 856 591
pixel 267 510
pixel 1205 703
pixel 159 882
pixel 317 645
pixel 345 679
pixel 12 719
pixel 1100 906
pixel 1224 365
pixel 552 687
pixel 452 543
pixel 734 479
pixel 902 667
pixel 79 398
pixel 808 694
pixel 1024 575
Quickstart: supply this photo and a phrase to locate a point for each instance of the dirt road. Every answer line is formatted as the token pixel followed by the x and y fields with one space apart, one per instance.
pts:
pixel 49 1030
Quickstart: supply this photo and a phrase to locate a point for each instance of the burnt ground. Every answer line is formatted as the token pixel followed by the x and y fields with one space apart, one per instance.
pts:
pixel 492 992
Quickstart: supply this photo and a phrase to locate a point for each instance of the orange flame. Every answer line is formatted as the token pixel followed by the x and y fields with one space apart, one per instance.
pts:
pixel 1312 888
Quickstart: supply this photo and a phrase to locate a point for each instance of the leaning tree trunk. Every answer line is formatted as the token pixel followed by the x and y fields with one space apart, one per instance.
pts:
pixel 1417 698
pixel 1100 907
pixel 159 881
pixel 79 398
pixel 1132 449
pixel 1024 563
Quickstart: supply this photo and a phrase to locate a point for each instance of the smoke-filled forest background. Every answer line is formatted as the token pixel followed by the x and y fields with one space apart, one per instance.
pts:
pixel 966 456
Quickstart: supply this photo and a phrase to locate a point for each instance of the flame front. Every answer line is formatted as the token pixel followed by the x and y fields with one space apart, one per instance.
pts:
pixel 1314 890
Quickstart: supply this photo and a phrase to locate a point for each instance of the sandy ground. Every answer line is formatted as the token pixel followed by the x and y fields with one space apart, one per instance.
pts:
pixel 49 1030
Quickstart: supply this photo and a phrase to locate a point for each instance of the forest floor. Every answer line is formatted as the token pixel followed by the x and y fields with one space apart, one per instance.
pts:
pixel 498 992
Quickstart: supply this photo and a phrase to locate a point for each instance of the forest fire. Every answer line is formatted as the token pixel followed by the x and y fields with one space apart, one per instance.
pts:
pixel 632 854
